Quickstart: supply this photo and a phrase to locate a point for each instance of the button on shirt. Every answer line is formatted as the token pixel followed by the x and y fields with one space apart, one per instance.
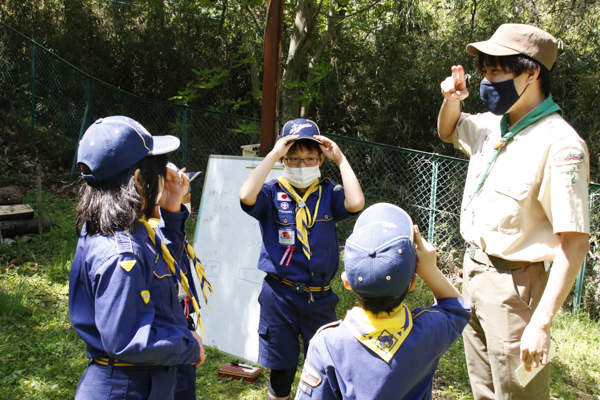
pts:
pixel 537 187
pixel 123 299
pixel 273 214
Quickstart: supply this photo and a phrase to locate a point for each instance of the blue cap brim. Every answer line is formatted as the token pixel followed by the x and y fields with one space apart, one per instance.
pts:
pixel 164 144
pixel 194 175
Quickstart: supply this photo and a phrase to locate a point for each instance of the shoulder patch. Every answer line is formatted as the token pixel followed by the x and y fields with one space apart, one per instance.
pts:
pixel 310 376
pixel 145 296
pixel 568 157
pixel 127 265
pixel 337 188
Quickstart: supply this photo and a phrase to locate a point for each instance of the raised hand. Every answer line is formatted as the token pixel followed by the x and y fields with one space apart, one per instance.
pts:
pixel 455 87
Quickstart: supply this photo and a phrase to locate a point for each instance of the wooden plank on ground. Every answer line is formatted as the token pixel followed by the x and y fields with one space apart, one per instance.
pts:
pixel 18 211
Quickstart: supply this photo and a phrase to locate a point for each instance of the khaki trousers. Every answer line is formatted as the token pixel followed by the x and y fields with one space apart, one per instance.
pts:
pixel 502 296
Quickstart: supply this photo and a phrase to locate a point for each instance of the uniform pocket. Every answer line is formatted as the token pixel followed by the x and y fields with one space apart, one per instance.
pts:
pixel 165 287
pixel 505 210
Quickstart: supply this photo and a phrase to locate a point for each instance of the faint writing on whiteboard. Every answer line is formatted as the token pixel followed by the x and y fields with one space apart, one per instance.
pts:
pixel 221 208
pixel 210 253
pixel 213 220
pixel 222 192
pixel 251 275
pixel 212 268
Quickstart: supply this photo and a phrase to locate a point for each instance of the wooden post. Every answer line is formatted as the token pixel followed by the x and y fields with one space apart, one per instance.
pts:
pixel 39 207
pixel 271 76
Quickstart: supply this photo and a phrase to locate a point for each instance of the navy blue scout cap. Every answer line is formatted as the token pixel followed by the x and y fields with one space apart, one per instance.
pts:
pixel 305 128
pixel 113 144
pixel 380 258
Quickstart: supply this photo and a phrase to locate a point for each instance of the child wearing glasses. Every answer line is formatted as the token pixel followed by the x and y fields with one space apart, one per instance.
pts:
pixel 297 213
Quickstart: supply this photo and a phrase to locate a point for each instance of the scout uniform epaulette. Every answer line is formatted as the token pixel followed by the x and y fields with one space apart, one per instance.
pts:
pixel 329 325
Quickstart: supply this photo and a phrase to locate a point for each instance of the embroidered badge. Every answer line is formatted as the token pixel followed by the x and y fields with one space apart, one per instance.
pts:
pixel 386 341
pixel 283 197
pixel 127 265
pixel 145 296
pixel 310 376
pixel 568 157
pixel 337 188
pixel 284 205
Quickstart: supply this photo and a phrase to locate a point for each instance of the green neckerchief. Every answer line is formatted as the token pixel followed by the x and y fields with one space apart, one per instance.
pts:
pixel 548 106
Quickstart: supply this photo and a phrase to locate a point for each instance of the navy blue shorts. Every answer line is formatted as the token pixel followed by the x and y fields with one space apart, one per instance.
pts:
pixel 284 316
pixel 126 383
pixel 186 382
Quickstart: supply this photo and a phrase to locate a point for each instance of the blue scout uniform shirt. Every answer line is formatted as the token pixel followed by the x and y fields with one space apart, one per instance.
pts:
pixel 338 366
pixel 123 299
pixel 274 209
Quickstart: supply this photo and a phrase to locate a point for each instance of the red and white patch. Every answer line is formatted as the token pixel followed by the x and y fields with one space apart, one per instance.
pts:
pixel 568 157
pixel 281 196
pixel 310 376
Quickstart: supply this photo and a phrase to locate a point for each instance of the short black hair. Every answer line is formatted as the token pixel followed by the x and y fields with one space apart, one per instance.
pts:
pixel 305 144
pixel 518 64
pixel 381 304
pixel 115 204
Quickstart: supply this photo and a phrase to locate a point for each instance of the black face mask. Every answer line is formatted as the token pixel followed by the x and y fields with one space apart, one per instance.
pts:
pixel 499 97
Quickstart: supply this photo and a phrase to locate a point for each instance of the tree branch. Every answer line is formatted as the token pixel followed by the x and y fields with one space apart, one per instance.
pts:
pixel 353 14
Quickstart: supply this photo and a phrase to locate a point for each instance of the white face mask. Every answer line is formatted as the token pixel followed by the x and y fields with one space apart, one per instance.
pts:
pixel 301 177
pixel 162 179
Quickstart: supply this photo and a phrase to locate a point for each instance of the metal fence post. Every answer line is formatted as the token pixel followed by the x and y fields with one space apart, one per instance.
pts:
pixel 184 139
pixel 83 124
pixel 579 283
pixel 432 202
pixel 32 89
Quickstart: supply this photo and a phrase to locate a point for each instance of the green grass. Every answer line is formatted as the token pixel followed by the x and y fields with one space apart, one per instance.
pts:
pixel 41 357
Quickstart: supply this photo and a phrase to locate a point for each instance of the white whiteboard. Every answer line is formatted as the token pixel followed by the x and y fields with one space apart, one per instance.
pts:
pixel 228 242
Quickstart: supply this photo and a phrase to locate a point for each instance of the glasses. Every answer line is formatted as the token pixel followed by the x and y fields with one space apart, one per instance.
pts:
pixel 309 162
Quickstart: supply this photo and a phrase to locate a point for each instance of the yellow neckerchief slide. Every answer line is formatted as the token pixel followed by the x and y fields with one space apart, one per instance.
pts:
pixel 384 334
pixel 304 220
pixel 175 270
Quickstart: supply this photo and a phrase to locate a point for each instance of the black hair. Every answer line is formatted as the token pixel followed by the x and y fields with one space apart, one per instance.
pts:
pixel 308 145
pixel 518 64
pixel 115 204
pixel 381 304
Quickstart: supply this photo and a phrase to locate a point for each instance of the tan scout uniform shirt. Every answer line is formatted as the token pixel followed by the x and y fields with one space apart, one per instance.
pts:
pixel 537 187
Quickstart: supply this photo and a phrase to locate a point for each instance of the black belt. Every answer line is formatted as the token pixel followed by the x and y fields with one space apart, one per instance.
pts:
pixel 478 255
pixel 301 286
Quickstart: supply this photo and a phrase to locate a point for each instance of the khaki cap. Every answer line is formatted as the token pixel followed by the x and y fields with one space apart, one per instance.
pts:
pixel 512 39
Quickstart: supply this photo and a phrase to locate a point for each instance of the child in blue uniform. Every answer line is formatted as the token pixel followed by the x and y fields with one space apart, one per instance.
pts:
pixel 381 350
pixel 122 292
pixel 297 214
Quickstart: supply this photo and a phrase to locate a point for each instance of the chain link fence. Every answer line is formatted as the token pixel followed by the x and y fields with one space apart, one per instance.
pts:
pixel 58 102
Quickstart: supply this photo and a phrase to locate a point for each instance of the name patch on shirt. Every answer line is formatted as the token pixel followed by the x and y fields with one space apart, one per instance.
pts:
pixel 127 265
pixel 310 376
pixel 287 236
